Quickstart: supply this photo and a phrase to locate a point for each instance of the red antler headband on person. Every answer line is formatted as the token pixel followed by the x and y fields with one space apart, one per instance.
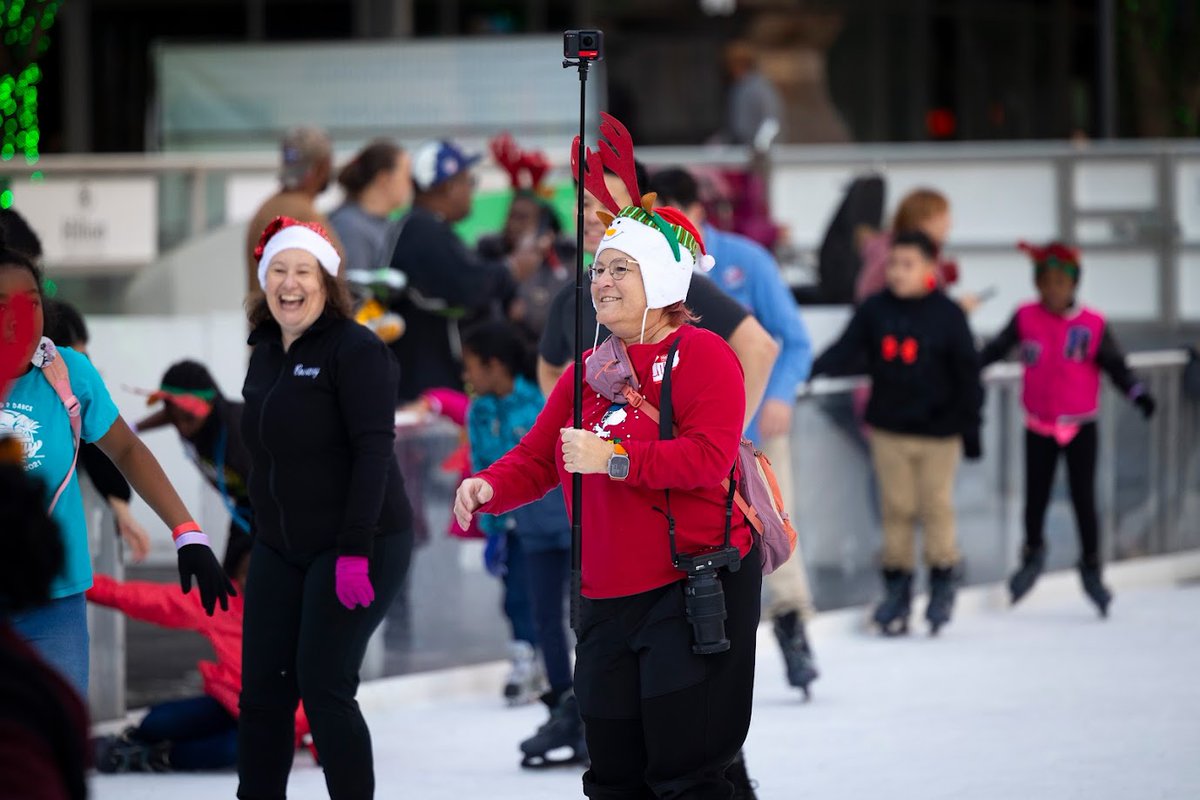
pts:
pixel 526 168
pixel 285 233
pixel 1055 255
pixel 664 242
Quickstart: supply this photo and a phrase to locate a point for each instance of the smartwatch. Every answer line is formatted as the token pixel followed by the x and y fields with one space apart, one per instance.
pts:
pixel 618 463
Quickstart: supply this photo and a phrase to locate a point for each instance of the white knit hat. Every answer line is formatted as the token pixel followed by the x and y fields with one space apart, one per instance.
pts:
pixel 667 247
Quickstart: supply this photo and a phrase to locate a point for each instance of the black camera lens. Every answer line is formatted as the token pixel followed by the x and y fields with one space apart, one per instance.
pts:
pixel 704 605
pixel 587 41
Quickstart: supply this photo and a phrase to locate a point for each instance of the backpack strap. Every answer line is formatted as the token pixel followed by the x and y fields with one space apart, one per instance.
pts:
pixel 636 400
pixel 55 371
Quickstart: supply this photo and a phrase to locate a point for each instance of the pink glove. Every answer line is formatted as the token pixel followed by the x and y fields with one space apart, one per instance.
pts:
pixel 352 582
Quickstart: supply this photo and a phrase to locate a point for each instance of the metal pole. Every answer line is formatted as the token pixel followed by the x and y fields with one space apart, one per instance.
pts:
pixel 1106 31
pixel 577 478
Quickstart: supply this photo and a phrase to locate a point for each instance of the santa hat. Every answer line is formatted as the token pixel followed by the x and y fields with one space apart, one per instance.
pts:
pixel 664 242
pixel 1055 255
pixel 285 233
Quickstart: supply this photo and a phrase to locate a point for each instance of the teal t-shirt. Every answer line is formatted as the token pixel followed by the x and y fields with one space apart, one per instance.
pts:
pixel 35 414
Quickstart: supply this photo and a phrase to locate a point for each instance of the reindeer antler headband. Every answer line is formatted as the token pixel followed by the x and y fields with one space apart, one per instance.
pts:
pixel 526 168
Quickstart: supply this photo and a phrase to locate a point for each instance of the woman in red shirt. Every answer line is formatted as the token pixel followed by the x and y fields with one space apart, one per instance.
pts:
pixel 659 718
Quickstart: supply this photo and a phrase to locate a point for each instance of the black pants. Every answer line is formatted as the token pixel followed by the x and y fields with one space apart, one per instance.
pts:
pixel 300 642
pixel 661 721
pixel 1041 460
pixel 548 571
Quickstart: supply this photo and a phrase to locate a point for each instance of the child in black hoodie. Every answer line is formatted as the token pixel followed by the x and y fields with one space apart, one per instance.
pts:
pixel 915 344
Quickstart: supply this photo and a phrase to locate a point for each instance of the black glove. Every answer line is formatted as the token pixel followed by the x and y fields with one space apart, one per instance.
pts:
pixel 1145 404
pixel 972 447
pixel 198 560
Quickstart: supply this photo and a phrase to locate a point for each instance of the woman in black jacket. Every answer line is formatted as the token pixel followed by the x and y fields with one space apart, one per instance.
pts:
pixel 334 531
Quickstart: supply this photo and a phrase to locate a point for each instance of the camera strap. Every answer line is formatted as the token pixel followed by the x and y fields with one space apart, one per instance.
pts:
pixel 666 431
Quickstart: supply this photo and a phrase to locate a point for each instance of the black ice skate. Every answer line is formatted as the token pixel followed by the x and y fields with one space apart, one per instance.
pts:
pixel 114 754
pixel 943 584
pixel 564 730
pixel 892 614
pixel 1033 561
pixel 1094 587
pixel 735 773
pixel 797 655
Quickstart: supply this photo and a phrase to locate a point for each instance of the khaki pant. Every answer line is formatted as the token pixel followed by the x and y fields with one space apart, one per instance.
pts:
pixel 916 483
pixel 787 586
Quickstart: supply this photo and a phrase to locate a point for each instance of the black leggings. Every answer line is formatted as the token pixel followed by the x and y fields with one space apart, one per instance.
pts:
pixel 661 721
pixel 300 642
pixel 1041 459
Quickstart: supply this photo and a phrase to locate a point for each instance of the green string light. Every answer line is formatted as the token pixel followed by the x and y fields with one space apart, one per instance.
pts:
pixel 24 24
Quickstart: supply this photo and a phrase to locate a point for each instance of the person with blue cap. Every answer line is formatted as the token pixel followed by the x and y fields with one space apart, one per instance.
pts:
pixel 445 282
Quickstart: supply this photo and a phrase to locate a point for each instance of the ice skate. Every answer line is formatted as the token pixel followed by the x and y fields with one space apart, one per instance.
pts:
pixel 563 731
pixel 891 615
pixel 1094 587
pixel 943 584
pixel 1033 561
pixel 526 680
pixel 797 655
pixel 735 773
pixel 123 753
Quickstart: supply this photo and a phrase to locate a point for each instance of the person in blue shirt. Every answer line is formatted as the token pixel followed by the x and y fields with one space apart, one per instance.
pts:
pixel 34 413
pixel 748 273
pixel 530 548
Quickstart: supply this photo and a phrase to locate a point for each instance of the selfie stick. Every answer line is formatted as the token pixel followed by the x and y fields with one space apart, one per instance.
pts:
pixel 576 478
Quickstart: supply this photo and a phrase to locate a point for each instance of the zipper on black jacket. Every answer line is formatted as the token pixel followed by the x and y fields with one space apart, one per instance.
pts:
pixel 262 415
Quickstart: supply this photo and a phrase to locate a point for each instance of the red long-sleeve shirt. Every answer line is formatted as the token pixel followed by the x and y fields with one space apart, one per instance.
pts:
pixel 625 544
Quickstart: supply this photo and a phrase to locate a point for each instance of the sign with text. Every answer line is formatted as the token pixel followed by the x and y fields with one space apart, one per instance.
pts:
pixel 92 225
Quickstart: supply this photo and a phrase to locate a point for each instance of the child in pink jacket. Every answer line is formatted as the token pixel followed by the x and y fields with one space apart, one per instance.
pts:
pixel 1064 347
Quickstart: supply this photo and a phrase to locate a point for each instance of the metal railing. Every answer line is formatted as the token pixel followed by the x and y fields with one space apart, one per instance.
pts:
pixel 1148 482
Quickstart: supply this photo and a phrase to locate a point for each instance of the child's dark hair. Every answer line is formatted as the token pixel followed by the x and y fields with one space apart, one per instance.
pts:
pixel 500 340
pixel 918 240
pixel 12 257
pixel 65 326
pixel 19 234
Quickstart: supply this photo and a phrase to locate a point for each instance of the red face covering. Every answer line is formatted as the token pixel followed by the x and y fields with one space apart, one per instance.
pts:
pixel 16 339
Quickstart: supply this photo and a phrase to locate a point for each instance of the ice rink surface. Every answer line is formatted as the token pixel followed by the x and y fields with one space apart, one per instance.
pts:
pixel 1041 701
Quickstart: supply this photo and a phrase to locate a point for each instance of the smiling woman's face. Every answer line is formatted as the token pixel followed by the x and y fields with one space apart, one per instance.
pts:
pixel 295 290
pixel 620 304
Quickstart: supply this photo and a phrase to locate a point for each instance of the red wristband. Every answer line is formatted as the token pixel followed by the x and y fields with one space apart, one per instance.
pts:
pixel 187 527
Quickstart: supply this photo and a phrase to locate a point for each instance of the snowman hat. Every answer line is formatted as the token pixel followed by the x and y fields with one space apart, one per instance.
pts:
pixel 664 242
pixel 285 233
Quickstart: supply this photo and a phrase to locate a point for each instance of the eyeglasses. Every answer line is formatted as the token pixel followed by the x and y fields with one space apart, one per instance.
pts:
pixel 618 268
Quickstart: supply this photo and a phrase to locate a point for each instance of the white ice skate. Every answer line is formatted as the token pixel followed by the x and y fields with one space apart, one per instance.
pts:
pixel 527 679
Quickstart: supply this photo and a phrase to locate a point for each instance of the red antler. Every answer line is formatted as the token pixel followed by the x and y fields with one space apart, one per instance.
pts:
pixel 593 176
pixel 537 166
pixel 618 156
pixel 508 155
